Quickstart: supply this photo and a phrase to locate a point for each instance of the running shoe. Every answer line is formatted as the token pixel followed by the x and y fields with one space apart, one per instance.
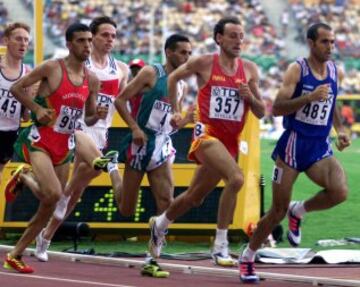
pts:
pixel 294 232
pixel 42 246
pixel 247 272
pixel 16 264
pixel 157 239
pixel 61 207
pixel 221 257
pixel 100 163
pixel 12 186
pixel 153 269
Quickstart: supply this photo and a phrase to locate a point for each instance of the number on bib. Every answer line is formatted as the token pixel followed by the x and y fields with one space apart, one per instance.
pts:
pixel 226 104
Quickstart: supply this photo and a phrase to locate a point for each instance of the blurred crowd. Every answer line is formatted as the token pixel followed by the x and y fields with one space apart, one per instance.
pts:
pixel 3 18
pixel 342 15
pixel 138 20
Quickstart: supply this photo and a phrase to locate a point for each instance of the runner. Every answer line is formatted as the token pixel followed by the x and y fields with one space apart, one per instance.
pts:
pixel 307 100
pixel 16 39
pixel 148 148
pixel 113 77
pixel 228 89
pixel 66 87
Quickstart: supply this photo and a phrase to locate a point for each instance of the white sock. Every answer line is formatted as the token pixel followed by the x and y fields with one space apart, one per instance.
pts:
pixel 111 167
pixel 162 222
pixel 299 209
pixel 221 236
pixel 248 255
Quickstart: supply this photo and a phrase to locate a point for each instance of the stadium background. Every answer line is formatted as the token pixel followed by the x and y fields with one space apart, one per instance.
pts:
pixel 274 37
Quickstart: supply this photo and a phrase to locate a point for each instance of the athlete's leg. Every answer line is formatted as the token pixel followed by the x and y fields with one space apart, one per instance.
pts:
pixel 27 177
pixel 50 190
pixel 329 174
pixel 80 179
pixel 161 182
pixel 127 195
pixel 283 180
pixel 86 148
pixel 216 160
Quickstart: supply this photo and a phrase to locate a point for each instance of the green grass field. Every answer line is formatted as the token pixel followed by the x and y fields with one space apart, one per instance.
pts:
pixel 337 223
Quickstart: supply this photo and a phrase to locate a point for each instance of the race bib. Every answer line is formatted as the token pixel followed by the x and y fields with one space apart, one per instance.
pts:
pixel 316 113
pixel 226 104
pixel 66 121
pixel 159 119
pixel 104 100
pixel 9 107
pixel 199 130
pixel 34 135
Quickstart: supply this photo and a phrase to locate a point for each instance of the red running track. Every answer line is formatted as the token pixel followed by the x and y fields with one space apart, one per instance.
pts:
pixel 58 273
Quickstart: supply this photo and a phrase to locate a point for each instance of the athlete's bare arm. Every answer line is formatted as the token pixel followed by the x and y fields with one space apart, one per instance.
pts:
pixel 250 90
pixel 199 66
pixel 143 81
pixel 284 104
pixel 31 92
pixel 125 72
pixel 49 76
pixel 92 112
pixel 343 139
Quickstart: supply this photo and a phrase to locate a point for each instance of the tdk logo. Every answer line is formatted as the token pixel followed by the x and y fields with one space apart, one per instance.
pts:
pixel 104 99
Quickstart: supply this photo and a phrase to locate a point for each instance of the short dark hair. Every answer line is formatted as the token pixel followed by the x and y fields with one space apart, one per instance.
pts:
pixel 173 40
pixel 73 28
pixel 94 25
pixel 313 31
pixel 220 25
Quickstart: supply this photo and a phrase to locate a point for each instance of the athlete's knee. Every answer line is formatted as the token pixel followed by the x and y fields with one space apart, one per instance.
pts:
pixel 338 195
pixel 50 196
pixel 235 182
pixel 164 202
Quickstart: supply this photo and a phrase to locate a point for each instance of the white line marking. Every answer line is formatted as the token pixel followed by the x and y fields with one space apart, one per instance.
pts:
pixel 29 276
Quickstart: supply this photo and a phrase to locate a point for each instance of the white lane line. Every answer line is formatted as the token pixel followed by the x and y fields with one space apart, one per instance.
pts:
pixel 29 276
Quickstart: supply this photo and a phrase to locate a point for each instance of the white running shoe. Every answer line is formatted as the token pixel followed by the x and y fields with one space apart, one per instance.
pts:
pixel 42 245
pixel 221 256
pixel 157 239
pixel 61 207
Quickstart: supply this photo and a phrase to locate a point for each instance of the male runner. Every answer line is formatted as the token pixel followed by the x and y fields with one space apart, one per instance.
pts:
pixel 16 39
pixel 228 89
pixel 66 87
pixel 113 76
pixel 148 148
pixel 307 100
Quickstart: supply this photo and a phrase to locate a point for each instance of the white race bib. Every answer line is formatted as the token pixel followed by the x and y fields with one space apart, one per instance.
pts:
pixel 226 104
pixel 66 120
pixel 9 107
pixel 316 113
pixel 159 119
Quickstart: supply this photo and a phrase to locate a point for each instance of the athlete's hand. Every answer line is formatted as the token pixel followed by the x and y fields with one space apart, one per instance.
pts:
pixel 44 116
pixel 320 93
pixel 245 92
pixel 176 120
pixel 139 137
pixel 343 141
pixel 101 112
